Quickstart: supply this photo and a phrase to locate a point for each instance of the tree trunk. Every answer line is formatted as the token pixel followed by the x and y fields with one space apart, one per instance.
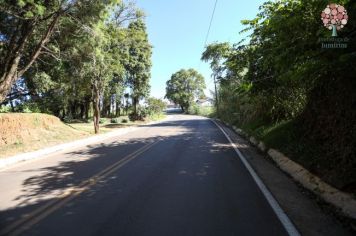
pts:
pixel 8 78
pixel 72 109
pixel 134 101
pixel 10 71
pixel 82 110
pixel 96 109
pixel 87 107
pixel 12 105
pixel 117 110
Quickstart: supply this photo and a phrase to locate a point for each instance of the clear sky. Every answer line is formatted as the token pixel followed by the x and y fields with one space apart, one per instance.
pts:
pixel 177 31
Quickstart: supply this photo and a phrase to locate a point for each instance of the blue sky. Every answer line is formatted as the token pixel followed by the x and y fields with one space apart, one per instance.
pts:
pixel 177 31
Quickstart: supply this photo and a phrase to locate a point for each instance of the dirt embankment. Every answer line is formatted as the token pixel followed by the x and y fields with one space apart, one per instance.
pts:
pixel 21 132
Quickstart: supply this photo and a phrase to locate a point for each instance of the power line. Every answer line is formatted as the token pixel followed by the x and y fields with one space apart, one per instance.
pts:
pixel 206 40
pixel 211 21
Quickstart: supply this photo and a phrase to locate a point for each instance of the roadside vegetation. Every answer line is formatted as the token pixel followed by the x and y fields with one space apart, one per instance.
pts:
pixel 285 89
pixel 207 111
pixel 86 65
pixel 184 87
pixel 76 60
pixel 28 131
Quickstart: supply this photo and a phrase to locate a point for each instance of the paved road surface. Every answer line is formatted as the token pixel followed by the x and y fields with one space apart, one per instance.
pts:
pixel 179 177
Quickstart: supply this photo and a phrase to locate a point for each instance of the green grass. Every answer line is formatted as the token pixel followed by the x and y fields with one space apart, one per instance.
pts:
pixel 283 136
pixel 286 136
pixel 22 132
pixel 105 125
pixel 201 111
pixel 156 117
pixel 290 138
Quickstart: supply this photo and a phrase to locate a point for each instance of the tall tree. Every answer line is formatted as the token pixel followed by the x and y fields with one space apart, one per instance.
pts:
pixel 185 86
pixel 216 53
pixel 138 63
pixel 26 27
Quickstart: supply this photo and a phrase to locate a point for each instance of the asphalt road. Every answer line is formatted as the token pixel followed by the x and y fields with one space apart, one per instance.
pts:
pixel 179 177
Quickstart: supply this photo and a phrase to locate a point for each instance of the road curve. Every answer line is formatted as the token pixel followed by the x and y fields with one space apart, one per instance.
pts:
pixel 178 177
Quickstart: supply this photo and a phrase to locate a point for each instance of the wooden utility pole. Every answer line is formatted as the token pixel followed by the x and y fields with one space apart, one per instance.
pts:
pixel 216 97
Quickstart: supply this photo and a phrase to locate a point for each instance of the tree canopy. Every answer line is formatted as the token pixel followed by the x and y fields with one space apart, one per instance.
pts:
pixel 62 57
pixel 185 86
pixel 284 74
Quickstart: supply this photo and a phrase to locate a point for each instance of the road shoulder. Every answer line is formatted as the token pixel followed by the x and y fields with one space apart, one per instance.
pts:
pixel 302 210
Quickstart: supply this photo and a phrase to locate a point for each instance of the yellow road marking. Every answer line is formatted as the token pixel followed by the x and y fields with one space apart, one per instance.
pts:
pixel 42 212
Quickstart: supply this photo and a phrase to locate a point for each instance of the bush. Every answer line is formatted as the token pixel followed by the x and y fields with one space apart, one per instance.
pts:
pixel 124 121
pixel 102 121
pixel 142 113
pixel 200 110
pixel 5 109
pixel 134 117
pixel 155 106
pixel 68 119
pixel 114 120
pixel 28 107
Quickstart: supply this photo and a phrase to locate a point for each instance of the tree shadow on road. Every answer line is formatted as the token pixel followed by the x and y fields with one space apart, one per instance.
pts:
pixel 49 182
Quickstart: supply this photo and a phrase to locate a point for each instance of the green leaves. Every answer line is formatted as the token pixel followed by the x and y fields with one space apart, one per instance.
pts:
pixel 184 87
pixel 31 8
pixel 282 62
pixel 215 53
pixel 137 61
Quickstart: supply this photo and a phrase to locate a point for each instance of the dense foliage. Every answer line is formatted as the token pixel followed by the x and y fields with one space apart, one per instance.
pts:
pixel 184 87
pixel 155 106
pixel 283 74
pixel 73 59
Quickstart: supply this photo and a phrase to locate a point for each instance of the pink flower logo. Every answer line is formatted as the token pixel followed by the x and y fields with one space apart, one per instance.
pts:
pixel 334 17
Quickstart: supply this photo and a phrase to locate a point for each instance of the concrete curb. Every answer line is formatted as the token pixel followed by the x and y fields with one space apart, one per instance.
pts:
pixel 11 160
pixel 339 199
pixel 345 202
pixel 262 146
pixel 253 140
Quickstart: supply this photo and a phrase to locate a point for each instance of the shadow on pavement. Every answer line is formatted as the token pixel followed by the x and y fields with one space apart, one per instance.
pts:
pixel 49 182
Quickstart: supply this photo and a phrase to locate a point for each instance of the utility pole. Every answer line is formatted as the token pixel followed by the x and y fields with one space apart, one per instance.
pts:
pixel 216 96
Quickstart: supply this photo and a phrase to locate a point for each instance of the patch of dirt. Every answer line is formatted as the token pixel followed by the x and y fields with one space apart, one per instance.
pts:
pixel 20 132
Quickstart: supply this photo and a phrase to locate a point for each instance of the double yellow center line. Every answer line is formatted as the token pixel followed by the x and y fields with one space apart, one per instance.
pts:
pixel 42 212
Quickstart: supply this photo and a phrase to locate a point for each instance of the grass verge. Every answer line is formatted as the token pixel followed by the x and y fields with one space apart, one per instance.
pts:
pixel 25 132
pixel 289 138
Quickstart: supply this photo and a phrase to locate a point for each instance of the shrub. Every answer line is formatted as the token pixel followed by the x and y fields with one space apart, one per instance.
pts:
pixel 114 120
pixel 68 119
pixel 102 120
pixel 124 121
pixel 142 113
pixel 28 107
pixel 155 106
pixel 195 109
pixel 5 109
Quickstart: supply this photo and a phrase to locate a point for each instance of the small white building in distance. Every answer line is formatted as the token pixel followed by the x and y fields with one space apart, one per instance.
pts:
pixel 208 102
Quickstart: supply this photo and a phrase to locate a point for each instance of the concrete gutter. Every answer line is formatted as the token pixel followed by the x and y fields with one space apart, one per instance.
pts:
pixel 11 160
pixel 341 200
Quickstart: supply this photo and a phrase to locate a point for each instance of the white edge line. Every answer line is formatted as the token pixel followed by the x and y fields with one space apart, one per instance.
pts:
pixel 286 222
